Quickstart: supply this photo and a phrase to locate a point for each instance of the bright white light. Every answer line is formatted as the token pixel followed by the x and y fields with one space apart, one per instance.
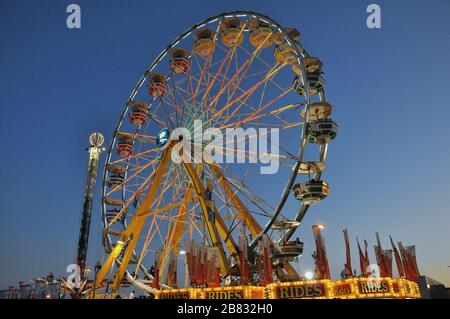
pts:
pixel 182 252
pixel 309 275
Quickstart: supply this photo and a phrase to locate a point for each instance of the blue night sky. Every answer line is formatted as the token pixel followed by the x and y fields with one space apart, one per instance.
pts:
pixel 388 168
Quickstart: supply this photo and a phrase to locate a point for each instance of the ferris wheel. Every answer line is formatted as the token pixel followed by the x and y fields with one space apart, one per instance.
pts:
pixel 234 70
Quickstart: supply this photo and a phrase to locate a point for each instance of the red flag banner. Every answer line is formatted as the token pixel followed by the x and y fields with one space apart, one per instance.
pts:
pixel 195 264
pixel 366 256
pixel 380 257
pixel 264 260
pixel 408 254
pixel 262 271
pixel 157 270
pixel 412 261
pixel 201 264
pixel 363 259
pixel 213 267
pixel 267 259
pixel 243 258
pixel 406 266
pixel 348 263
pixel 322 269
pixel 189 247
pixel 398 260
pixel 172 271
pixel 387 258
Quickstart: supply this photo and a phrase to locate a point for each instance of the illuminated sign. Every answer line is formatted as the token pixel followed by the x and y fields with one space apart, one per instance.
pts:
pixel 395 287
pixel 348 288
pixel 342 289
pixel 174 294
pixel 376 286
pixel 163 137
pixel 227 294
pixel 301 289
pixel 238 292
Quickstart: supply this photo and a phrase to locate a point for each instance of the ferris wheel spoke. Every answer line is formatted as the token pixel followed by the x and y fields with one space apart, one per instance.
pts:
pixel 243 91
pixel 189 103
pixel 246 76
pixel 225 200
pixel 181 111
pixel 134 198
pixel 266 64
pixel 169 118
pixel 129 178
pixel 255 116
pixel 148 240
pixel 245 189
pixel 229 56
pixel 136 169
pixel 275 113
pixel 201 75
pixel 247 218
pixel 155 118
pixel 218 119
pixel 245 67
pixel 272 73
pixel 176 230
pixel 140 137
pixel 208 62
pixel 186 103
pixel 211 226
pixel 255 200
pixel 174 106
pixel 161 213
pixel 173 93
pixel 195 112
pixel 250 91
pixel 140 155
pixel 155 217
pixel 131 199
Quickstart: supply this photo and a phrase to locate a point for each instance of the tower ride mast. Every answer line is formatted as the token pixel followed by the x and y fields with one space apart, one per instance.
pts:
pixel 96 140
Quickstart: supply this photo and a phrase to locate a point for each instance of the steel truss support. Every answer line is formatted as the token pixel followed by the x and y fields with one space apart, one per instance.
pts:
pixel 207 216
pixel 248 219
pixel 131 234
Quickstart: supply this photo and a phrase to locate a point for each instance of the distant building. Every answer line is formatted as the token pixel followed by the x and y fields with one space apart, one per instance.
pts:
pixel 432 289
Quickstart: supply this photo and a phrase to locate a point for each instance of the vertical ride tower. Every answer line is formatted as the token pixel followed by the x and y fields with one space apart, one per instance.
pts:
pixel 96 140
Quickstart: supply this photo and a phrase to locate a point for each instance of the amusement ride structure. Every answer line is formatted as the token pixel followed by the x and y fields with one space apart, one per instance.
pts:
pixel 224 223
pixel 217 217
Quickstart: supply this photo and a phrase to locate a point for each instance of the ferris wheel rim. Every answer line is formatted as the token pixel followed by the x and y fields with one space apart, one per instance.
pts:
pixel 300 53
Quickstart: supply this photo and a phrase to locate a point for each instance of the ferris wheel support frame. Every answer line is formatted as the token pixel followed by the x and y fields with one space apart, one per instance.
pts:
pixel 211 226
pixel 133 230
pixel 249 221
pixel 176 233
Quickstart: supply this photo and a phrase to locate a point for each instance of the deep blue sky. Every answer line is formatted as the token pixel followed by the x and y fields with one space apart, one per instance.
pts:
pixel 388 169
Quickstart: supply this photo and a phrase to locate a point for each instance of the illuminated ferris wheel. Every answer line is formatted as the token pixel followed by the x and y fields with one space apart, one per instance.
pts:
pixel 234 70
